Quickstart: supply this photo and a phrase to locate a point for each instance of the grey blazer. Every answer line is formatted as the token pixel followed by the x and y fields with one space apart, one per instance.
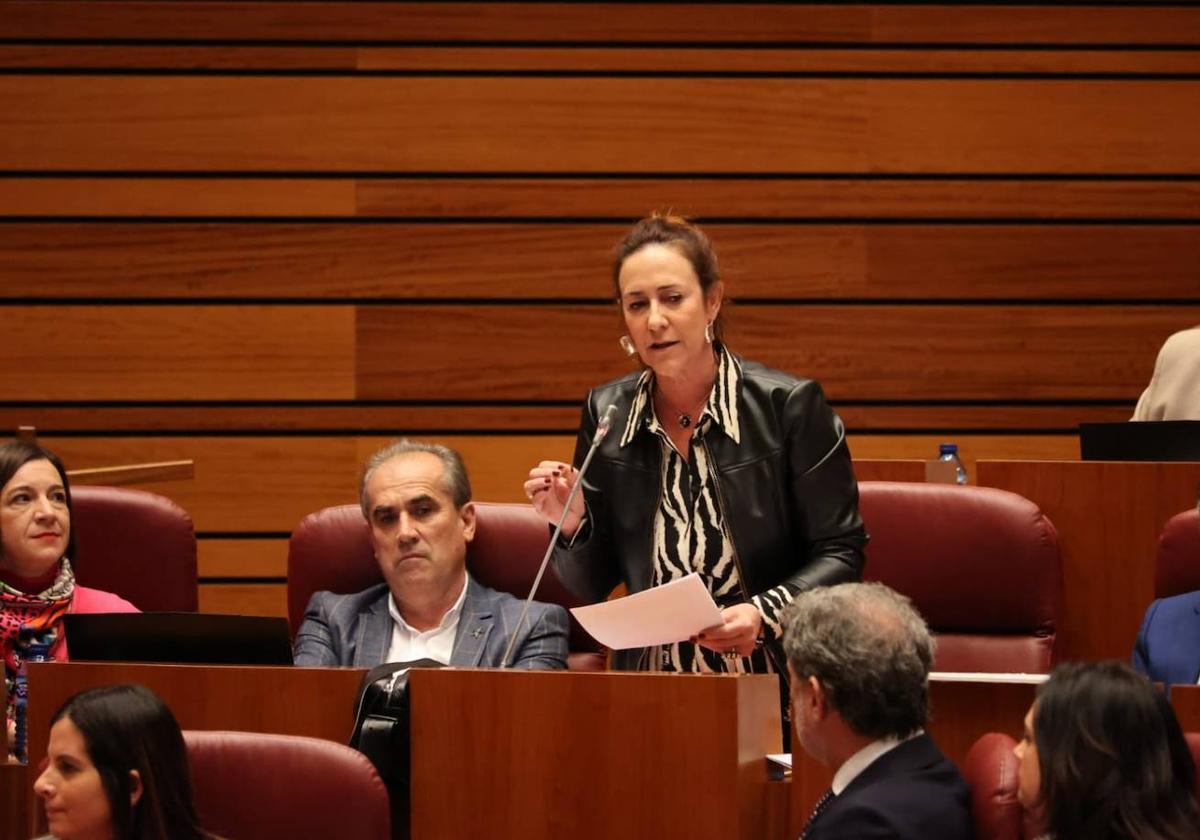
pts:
pixel 356 630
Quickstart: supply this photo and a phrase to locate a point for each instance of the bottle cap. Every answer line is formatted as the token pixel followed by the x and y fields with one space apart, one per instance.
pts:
pixel 948 449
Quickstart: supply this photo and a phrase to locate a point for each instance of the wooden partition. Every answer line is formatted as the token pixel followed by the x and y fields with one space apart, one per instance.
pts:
pixel 1185 699
pixel 267 235
pixel 1108 516
pixel 551 755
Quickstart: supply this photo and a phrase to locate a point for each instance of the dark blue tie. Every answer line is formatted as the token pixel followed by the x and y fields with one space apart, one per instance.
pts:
pixel 821 805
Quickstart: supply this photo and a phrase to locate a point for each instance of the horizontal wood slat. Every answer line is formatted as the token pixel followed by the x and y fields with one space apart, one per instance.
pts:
pixel 425 419
pixel 187 352
pixel 580 125
pixel 118 260
pixel 864 352
pixel 503 353
pixel 250 485
pixel 241 558
pixel 600 22
pixel 244 598
pixel 600 198
pixel 459 59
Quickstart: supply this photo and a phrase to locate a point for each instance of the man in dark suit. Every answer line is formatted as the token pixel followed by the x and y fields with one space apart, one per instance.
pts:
pixel 416 498
pixel 859 657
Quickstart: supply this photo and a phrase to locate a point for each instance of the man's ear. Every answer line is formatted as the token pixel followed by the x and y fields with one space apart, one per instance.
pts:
pixel 819 697
pixel 135 787
pixel 468 519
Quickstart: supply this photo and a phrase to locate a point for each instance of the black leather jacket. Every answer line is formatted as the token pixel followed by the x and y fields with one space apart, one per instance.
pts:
pixel 787 492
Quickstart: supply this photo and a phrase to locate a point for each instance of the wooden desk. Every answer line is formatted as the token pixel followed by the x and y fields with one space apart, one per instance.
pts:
pixel 590 755
pixel 962 708
pixel 1108 516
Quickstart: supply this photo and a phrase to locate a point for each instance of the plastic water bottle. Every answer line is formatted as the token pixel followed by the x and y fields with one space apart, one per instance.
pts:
pixel 949 452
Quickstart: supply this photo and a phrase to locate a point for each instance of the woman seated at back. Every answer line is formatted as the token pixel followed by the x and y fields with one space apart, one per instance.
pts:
pixel 1103 757
pixel 37 583
pixel 117 768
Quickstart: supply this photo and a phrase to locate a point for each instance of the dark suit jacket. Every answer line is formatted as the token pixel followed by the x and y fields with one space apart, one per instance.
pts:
pixel 357 630
pixel 911 792
pixel 1168 645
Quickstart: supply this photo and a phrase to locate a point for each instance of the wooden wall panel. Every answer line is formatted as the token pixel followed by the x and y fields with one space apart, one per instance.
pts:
pixel 244 598
pixel 603 22
pixel 601 199
pixel 452 260
pixel 861 352
pixel 398 417
pixel 271 235
pixel 265 485
pixel 247 558
pixel 593 60
pixel 195 352
pixel 496 124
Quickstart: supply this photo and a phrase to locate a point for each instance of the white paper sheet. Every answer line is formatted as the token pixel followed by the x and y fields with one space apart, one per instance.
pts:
pixel 665 614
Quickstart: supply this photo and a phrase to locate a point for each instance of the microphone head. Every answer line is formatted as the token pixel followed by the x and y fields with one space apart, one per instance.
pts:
pixel 604 426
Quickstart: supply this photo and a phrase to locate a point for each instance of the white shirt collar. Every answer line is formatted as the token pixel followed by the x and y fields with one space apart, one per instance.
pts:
pixel 448 620
pixel 861 760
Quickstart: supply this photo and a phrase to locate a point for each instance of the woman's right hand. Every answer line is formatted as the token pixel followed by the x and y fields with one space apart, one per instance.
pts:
pixel 548 486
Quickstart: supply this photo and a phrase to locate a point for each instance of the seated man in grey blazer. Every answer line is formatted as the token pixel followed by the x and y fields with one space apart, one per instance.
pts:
pixel 416 498
pixel 859 658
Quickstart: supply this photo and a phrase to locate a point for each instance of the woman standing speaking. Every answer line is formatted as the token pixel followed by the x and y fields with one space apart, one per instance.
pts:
pixel 715 465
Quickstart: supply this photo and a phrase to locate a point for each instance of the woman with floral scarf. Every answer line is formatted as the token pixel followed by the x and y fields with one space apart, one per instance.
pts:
pixel 37 583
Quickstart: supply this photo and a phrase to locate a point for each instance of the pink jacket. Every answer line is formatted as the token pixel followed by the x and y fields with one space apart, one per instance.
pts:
pixel 91 601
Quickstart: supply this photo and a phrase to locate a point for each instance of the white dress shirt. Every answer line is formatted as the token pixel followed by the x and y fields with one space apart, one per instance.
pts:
pixel 437 644
pixel 862 759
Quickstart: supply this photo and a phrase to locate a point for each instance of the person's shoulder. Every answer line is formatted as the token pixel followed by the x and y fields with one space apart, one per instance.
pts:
pixel 1185 341
pixel 1174 605
pixel 758 377
pixel 914 791
pixel 329 602
pixel 87 600
pixel 614 389
pixel 508 602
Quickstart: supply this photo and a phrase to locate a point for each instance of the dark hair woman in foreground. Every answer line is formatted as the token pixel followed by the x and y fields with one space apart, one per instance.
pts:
pixel 117 769
pixel 1103 757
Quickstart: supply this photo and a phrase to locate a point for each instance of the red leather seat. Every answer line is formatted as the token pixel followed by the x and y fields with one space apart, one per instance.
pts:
pixel 138 545
pixel 980 564
pixel 331 550
pixel 279 787
pixel 991 772
pixel 1177 565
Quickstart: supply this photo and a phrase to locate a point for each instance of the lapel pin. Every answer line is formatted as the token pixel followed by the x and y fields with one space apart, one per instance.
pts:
pixel 477 633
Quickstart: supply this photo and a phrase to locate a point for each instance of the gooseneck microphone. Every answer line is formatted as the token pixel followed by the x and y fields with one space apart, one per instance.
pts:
pixel 603 427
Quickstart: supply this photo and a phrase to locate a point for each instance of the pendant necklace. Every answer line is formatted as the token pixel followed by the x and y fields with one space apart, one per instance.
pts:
pixel 683 418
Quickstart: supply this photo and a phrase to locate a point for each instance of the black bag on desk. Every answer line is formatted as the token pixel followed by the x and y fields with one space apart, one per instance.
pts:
pixel 381 731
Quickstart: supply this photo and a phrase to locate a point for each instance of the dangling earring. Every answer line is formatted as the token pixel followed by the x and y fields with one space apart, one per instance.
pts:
pixel 627 345
pixel 708 332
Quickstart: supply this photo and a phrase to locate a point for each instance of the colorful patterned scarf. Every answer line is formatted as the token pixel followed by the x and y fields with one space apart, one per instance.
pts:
pixel 30 619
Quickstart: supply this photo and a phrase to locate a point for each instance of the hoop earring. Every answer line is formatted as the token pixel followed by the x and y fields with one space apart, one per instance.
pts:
pixel 708 332
pixel 627 345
